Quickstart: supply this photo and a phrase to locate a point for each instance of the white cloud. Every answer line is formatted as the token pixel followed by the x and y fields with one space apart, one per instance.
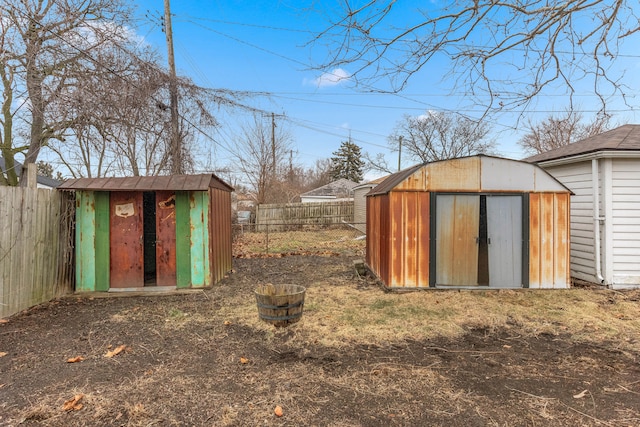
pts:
pixel 332 78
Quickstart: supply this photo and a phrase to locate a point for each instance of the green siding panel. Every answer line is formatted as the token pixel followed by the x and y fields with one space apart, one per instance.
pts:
pixel 183 240
pixel 102 240
pixel 198 250
pixel 85 241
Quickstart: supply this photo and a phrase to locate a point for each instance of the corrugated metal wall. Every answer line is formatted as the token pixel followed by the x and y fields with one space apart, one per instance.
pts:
pixel 549 240
pixel 220 233
pixel 409 239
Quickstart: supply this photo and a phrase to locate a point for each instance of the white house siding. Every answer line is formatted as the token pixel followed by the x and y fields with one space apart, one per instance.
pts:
pixel 577 177
pixel 360 207
pixel 626 221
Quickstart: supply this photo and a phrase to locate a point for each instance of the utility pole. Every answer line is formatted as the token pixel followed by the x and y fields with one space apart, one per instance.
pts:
pixel 399 151
pixel 176 146
pixel 273 143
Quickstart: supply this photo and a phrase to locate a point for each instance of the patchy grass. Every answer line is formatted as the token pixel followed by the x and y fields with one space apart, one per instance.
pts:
pixel 358 357
pixel 319 241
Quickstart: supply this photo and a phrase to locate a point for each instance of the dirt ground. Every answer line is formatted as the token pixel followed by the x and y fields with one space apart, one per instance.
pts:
pixel 202 359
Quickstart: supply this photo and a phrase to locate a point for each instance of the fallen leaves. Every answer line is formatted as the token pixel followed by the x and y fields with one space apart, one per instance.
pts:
pixel 3 353
pixel 580 395
pixel 75 359
pixel 278 411
pixel 116 351
pixel 244 360
pixel 4 321
pixel 73 404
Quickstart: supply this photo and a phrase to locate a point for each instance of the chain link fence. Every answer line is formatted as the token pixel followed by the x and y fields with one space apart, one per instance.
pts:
pixel 272 240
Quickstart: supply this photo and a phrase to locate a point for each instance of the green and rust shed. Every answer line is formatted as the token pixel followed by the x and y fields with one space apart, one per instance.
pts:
pixel 151 233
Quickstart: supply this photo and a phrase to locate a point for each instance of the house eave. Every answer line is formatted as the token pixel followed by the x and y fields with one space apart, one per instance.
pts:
pixel 605 154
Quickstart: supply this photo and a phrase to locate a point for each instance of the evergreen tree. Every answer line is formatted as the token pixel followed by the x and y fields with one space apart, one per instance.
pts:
pixel 347 162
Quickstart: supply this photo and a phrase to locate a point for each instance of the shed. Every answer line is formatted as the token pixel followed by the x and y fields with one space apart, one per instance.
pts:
pixel 472 222
pixel 151 233
pixel 603 172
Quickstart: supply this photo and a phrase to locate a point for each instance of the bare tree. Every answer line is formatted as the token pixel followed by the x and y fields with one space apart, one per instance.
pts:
pixel 261 153
pixel 440 135
pixel 557 131
pixel 46 45
pixel 502 53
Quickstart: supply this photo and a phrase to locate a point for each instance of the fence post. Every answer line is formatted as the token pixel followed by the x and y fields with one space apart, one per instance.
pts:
pixel 32 176
pixel 267 226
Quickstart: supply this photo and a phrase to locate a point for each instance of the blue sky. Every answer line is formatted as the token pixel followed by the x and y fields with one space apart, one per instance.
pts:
pixel 262 46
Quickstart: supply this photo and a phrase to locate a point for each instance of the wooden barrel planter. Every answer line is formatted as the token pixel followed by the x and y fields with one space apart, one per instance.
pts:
pixel 280 305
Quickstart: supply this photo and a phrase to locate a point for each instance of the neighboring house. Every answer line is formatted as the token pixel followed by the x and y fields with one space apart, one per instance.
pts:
pixel 360 202
pixel 43 181
pixel 340 190
pixel 603 172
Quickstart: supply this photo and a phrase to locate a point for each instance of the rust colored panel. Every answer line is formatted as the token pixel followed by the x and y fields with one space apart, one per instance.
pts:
pixel 561 240
pixel 547 259
pixel 126 240
pixel 455 175
pixel 423 239
pixel 410 239
pixel 534 240
pixel 385 239
pixel 396 240
pixel 166 238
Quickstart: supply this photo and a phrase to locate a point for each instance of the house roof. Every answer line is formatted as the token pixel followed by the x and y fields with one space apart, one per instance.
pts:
pixel 623 138
pixel 339 188
pixel 200 182
pixel 372 183
pixel 477 173
pixel 43 180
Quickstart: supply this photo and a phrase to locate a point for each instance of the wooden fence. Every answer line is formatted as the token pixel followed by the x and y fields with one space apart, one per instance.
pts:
pixel 36 247
pixel 279 215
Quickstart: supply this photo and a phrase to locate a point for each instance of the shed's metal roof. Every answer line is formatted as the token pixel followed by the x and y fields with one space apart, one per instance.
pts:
pixel 200 182
pixel 623 138
pixel 477 173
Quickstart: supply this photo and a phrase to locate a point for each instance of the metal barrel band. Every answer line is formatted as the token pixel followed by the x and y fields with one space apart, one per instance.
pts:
pixel 280 307
pixel 292 316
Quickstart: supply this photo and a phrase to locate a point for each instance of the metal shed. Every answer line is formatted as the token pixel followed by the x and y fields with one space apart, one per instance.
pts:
pixel 151 233
pixel 472 222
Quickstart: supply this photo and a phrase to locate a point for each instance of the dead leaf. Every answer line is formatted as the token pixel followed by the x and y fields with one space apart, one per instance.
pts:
pixel 4 321
pixel 244 360
pixel 278 411
pixel 75 359
pixel 3 353
pixel 73 404
pixel 116 351
pixel 580 395
pixel 227 322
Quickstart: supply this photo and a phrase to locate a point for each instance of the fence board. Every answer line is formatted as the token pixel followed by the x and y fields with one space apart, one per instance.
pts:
pixel 30 247
pixel 280 215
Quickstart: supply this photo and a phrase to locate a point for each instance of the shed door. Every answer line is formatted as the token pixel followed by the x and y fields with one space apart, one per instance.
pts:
pixel 504 229
pixel 166 238
pixel 126 240
pixel 457 219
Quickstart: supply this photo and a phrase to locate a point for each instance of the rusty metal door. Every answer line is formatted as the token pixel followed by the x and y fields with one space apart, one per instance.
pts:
pixel 126 240
pixel 504 228
pixel 457 223
pixel 166 238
